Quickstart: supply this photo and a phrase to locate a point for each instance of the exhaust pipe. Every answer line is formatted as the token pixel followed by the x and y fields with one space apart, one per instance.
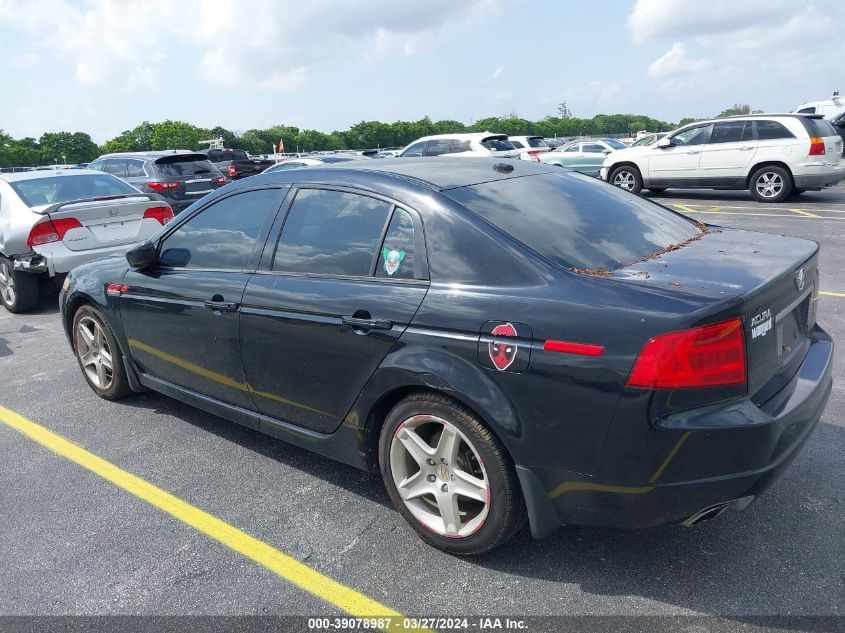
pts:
pixel 711 512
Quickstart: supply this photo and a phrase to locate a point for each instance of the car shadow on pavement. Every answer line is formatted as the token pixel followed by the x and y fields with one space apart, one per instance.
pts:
pixel 367 485
pixel 783 555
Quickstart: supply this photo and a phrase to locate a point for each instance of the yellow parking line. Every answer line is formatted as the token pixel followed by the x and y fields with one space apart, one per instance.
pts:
pixel 832 294
pixel 287 567
pixel 804 213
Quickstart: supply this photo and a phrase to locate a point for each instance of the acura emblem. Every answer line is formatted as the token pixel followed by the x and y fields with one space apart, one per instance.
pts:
pixel 799 280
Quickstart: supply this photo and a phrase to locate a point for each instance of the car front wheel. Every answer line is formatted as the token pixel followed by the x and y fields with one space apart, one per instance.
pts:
pixel 98 355
pixel 771 184
pixel 627 178
pixel 18 290
pixel 449 476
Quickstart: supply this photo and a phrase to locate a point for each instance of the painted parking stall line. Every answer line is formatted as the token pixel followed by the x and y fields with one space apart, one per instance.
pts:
pixel 288 568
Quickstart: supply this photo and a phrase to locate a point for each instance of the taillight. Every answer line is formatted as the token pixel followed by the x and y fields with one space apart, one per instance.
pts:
pixel 816 146
pixel 220 181
pixel 708 356
pixel 51 231
pixel 232 170
pixel 163 186
pixel 162 214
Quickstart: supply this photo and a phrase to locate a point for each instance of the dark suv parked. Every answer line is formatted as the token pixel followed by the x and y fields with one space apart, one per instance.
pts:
pixel 180 177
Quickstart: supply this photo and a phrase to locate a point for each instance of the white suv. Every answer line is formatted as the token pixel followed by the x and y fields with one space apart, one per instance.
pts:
pixel 530 147
pixel 771 155
pixel 482 144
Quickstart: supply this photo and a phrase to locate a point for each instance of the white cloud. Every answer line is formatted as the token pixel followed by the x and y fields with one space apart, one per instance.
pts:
pixel 676 62
pixel 24 60
pixel 121 44
pixel 497 73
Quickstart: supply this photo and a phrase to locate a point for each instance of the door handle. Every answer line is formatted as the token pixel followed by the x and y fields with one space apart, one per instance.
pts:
pixel 367 324
pixel 222 306
pixel 694 151
pixel 746 148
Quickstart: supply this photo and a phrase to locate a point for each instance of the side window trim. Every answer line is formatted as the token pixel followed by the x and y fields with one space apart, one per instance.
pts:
pixel 265 266
pixel 260 241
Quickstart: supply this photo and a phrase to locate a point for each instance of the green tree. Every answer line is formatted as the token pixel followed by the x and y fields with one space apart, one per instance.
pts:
pixel 67 147
pixel 738 108
pixel 177 135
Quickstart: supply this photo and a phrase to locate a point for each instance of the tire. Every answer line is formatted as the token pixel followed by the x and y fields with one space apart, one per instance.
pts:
pixel 770 184
pixel 98 355
pixel 656 189
pixel 627 178
pixel 18 290
pixel 489 508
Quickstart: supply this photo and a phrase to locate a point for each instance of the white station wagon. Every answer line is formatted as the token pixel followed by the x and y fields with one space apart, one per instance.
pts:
pixel 771 155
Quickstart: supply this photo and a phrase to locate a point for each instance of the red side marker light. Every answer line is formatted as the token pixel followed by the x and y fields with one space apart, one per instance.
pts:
pixel 582 349
pixel 116 289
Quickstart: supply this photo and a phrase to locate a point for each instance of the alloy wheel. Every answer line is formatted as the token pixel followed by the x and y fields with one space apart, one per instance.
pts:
pixel 625 180
pixel 439 476
pixel 7 284
pixel 769 184
pixel 94 354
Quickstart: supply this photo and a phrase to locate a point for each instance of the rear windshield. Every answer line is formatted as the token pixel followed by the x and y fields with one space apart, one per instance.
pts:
pixel 818 127
pixel 536 141
pixel 184 165
pixel 50 190
pixel 220 155
pixel 497 144
pixel 575 221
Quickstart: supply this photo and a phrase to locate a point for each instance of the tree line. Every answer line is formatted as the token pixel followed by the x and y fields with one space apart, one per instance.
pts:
pixel 78 147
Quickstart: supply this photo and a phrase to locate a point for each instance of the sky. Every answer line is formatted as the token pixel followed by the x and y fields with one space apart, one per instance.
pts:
pixel 104 66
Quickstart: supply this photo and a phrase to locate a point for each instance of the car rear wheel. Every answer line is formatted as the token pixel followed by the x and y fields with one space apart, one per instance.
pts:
pixel 771 184
pixel 18 290
pixel 98 355
pixel 448 475
pixel 627 178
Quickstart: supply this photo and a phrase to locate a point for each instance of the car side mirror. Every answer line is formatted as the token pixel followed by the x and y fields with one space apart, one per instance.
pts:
pixel 606 152
pixel 664 142
pixel 142 256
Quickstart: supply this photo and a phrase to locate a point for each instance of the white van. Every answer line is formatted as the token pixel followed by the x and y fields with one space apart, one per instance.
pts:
pixel 829 108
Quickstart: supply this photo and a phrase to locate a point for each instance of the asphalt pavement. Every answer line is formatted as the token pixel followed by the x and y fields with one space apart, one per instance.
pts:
pixel 74 543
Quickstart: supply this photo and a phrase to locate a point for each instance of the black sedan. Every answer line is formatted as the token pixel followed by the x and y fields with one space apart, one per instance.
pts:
pixel 500 340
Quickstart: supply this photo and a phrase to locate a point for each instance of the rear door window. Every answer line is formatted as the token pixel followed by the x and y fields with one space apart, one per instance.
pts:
pixel 536 141
pixel 222 236
pixel 592 148
pixel 135 168
pixel 572 221
pixel 115 166
pixel 517 144
pixel 497 144
pixel 728 132
pixel 459 147
pixel 396 259
pixel 331 233
pixel 438 147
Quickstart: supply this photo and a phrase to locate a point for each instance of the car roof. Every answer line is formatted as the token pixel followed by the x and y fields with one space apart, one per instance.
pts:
pixel 469 136
pixel 440 173
pixel 45 173
pixel 149 155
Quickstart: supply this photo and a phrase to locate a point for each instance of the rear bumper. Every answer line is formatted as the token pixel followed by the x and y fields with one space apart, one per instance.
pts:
pixel 737 431
pixel 56 258
pixel 819 176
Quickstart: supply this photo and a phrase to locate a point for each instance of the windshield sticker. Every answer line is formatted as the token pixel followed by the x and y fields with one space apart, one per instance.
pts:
pixel 761 324
pixel 392 259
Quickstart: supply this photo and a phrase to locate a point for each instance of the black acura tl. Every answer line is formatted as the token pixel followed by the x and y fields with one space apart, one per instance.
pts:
pixel 501 340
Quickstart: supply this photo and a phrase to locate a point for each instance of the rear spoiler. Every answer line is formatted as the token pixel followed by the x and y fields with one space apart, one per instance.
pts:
pixel 152 197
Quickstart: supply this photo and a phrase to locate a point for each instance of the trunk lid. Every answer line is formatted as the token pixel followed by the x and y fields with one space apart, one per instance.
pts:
pixel 109 222
pixel 770 281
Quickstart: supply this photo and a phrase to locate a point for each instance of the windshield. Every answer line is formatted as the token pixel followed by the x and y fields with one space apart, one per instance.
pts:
pixel 614 143
pixel 50 190
pixel 574 221
pixel 646 140
pixel 536 141
pixel 221 155
pixel 498 144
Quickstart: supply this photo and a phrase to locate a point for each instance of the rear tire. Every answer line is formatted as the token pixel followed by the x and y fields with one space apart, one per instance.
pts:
pixel 438 452
pixel 18 290
pixel 771 184
pixel 98 355
pixel 627 178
